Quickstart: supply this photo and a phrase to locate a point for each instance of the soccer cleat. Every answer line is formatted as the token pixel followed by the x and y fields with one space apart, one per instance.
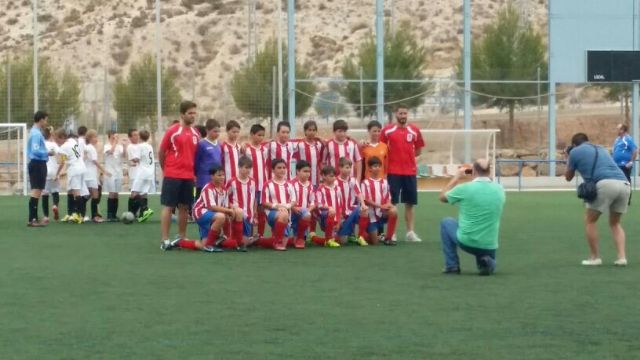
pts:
pixel 592 262
pixel 212 249
pixel 66 218
pixel 85 219
pixel 56 214
pixel 242 248
pixel 34 223
pixel 299 243
pixel 332 243
pixel 352 239
pixel 75 219
pixel 280 246
pixel 620 262
pixel 45 221
pixel 412 237
pixel 145 215
pixel 451 271
pixel 389 242
pixel 361 241
pixel 97 220
pixel 486 266
pixel 166 245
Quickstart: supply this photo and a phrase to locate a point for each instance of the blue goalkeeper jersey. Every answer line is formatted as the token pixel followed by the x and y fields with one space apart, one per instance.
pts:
pixel 36 148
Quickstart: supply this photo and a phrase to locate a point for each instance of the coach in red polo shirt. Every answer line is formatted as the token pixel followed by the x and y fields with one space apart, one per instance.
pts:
pixel 177 155
pixel 405 143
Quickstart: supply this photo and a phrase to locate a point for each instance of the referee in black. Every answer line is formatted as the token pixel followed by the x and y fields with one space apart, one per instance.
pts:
pixel 38 156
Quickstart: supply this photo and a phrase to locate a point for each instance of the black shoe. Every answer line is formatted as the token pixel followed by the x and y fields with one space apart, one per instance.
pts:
pixel 242 248
pixel 452 271
pixel 484 266
pixel 390 243
pixel 212 249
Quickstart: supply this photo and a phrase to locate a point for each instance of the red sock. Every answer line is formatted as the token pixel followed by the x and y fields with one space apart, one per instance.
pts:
pixel 290 241
pixel 278 231
pixel 391 227
pixel 262 221
pixel 226 228
pixel 229 244
pixel 318 240
pixel 212 237
pixel 328 230
pixel 313 224
pixel 265 242
pixel 303 226
pixel 362 226
pixel 237 231
pixel 187 244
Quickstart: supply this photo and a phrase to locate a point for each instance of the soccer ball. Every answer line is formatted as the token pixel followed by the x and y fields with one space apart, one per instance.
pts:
pixel 127 217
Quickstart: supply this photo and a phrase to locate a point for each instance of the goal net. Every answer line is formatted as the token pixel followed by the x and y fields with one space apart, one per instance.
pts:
pixel 446 149
pixel 13 164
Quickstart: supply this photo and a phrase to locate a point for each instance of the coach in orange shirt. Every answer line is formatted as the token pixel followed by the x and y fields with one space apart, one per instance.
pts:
pixel 405 143
pixel 374 147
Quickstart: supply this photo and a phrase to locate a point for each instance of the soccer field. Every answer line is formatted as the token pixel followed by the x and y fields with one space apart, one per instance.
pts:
pixel 108 292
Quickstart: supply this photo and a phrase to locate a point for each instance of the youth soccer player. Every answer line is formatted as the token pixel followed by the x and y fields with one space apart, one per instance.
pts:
pixel 84 192
pixel 113 154
pixel 242 195
pixel 310 149
pixel 305 203
pixel 52 186
pixel 144 181
pixel 256 152
pixel 208 155
pixel 91 176
pixel 210 211
pixel 374 147
pixel 328 200
pixel 342 146
pixel 72 158
pixel 378 199
pixel 133 158
pixel 353 208
pixel 280 148
pixel 231 150
pixel 278 197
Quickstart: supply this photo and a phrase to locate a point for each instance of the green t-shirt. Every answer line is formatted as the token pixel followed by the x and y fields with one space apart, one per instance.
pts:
pixel 481 203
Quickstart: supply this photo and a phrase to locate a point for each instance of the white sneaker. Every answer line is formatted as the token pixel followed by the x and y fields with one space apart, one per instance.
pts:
pixel 86 219
pixel 620 262
pixel 412 237
pixel 592 262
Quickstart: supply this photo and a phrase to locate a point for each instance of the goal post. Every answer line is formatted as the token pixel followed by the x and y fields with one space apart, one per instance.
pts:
pixel 446 149
pixel 13 159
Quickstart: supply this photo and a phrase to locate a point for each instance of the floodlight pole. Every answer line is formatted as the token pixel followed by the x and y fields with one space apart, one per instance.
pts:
pixel 467 76
pixel 279 44
pixel 291 64
pixel 35 56
pixel 8 90
pixel 380 60
pixel 158 69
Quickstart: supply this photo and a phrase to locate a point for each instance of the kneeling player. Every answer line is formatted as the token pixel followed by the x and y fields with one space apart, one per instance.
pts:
pixel 278 197
pixel 241 191
pixel 305 203
pixel 354 209
pixel 329 204
pixel 377 197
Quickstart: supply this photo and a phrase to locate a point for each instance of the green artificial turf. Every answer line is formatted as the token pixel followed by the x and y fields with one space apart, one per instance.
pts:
pixel 108 292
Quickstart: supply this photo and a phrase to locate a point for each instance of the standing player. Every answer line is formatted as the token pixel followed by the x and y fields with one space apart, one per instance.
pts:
pixel 381 210
pixel 241 191
pixel 374 147
pixel 310 149
pixel 84 192
pixel 133 158
pixel 113 152
pixel 38 156
pixel 405 144
pixel 72 158
pixel 231 150
pixel 177 155
pixel 305 203
pixel 256 152
pixel 353 208
pixel 52 186
pixel 328 200
pixel 278 197
pixel 208 155
pixel 280 148
pixel 91 176
pixel 341 146
pixel 144 180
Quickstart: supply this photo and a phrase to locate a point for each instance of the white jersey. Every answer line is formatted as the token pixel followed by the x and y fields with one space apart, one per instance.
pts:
pixel 113 162
pixel 146 165
pixel 72 156
pixel 90 163
pixel 52 163
pixel 82 145
pixel 132 154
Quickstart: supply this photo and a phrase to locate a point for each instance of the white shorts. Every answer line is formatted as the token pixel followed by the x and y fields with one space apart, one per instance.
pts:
pixel 142 186
pixel 91 184
pixel 51 186
pixel 76 182
pixel 111 184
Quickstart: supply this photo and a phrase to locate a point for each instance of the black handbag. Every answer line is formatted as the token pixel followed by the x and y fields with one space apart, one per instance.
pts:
pixel 588 190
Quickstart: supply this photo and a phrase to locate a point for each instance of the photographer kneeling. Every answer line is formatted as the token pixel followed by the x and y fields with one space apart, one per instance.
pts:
pixel 596 166
pixel 481 202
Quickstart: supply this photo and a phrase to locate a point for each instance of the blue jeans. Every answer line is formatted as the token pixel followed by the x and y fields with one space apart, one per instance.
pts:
pixel 450 243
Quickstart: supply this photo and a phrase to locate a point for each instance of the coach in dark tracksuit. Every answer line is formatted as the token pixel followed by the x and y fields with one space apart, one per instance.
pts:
pixel 38 157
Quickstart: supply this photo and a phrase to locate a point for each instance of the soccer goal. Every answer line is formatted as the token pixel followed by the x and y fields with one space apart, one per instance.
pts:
pixel 13 159
pixel 446 149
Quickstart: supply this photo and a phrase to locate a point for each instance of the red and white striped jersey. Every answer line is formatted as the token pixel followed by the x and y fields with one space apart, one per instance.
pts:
pixel 278 193
pixel 311 153
pixel 350 192
pixel 276 150
pixel 210 196
pixel 305 197
pixel 257 156
pixel 377 192
pixel 230 154
pixel 242 194
pixel 335 150
pixel 327 197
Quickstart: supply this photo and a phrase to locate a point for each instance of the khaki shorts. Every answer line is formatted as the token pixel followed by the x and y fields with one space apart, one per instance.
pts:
pixel 613 196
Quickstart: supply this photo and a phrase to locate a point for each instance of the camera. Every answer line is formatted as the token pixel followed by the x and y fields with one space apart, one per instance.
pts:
pixel 568 149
